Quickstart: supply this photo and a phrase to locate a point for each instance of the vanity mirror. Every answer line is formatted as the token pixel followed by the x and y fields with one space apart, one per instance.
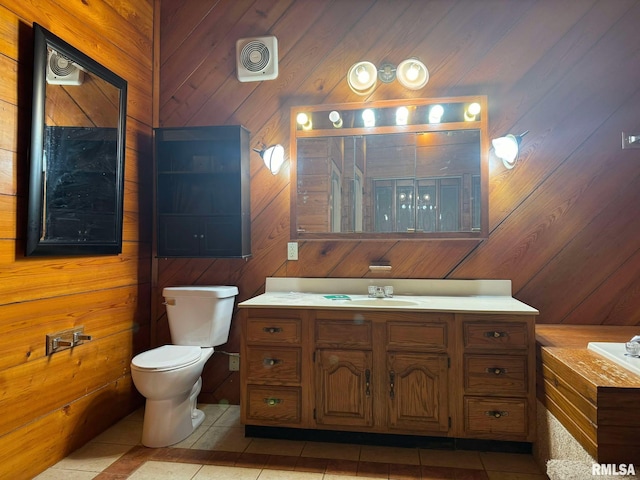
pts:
pixel 77 152
pixel 404 169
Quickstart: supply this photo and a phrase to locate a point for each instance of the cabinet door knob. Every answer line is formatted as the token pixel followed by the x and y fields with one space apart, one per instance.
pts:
pixel 367 377
pixel 392 384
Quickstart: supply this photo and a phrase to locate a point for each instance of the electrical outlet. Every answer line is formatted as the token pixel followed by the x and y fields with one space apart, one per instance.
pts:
pixel 234 363
pixel 292 251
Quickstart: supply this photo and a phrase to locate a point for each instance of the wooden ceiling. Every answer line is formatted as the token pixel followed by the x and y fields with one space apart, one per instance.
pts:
pixel 564 224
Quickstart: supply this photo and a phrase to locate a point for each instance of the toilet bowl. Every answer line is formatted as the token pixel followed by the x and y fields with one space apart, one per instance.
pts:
pixel 169 376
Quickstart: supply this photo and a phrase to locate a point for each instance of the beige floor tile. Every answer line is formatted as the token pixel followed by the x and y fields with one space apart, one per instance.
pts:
pixel 125 432
pixel 230 417
pixel 93 457
pixel 409 456
pixel 271 446
pixel 165 470
pixel 509 462
pixel 288 475
pixel 212 412
pixel 214 472
pixel 193 438
pixel 451 458
pixel 227 439
pixel 339 451
pixel 57 474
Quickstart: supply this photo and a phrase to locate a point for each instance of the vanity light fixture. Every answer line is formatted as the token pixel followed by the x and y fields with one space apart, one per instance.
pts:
pixel 471 112
pixel 336 119
pixel 304 121
pixel 435 113
pixel 273 157
pixel 507 148
pixel 362 77
pixel 369 118
pixel 402 116
pixel 411 73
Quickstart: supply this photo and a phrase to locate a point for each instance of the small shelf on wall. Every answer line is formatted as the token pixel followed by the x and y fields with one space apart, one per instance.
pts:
pixel 202 192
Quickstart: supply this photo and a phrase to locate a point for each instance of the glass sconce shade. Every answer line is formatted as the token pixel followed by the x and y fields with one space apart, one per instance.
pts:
pixel 362 77
pixel 506 148
pixel 412 74
pixel 273 157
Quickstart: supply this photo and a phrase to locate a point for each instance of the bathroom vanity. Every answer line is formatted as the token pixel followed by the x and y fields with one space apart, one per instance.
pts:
pixel 443 358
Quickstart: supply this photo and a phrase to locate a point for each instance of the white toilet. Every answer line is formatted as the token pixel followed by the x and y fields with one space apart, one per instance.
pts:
pixel 169 376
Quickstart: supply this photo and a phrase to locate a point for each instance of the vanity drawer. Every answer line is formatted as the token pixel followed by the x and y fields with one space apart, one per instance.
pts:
pixel 343 333
pixel 416 335
pixel 279 405
pixel 498 417
pixel 273 364
pixel 495 374
pixel 496 335
pixel 274 330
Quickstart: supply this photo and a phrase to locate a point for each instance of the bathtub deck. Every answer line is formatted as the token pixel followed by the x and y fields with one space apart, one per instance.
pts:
pixel 594 398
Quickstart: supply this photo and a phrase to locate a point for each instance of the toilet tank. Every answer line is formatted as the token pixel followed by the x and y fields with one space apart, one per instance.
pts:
pixel 199 315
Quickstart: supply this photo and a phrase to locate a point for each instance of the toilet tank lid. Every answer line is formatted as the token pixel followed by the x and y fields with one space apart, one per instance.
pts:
pixel 217 291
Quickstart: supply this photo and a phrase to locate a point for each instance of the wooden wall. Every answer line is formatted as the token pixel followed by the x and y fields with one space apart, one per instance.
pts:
pixel 49 406
pixel 564 224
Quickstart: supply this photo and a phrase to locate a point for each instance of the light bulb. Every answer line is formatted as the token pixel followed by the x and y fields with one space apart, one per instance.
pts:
pixel 369 118
pixel 412 72
pixel 363 75
pixel 435 114
pixel 402 115
pixel 335 118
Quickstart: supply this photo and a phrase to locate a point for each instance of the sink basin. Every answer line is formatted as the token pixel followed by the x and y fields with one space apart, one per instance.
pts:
pixel 383 302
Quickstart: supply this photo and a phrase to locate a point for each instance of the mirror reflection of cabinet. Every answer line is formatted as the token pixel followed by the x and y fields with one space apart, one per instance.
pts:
pixel 427 178
pixel 202 192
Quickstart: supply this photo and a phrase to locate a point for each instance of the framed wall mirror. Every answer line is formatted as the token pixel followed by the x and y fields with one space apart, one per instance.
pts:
pixel 77 151
pixel 405 169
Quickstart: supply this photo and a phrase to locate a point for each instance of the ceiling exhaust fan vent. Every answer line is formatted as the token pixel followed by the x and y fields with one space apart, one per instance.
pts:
pixel 257 59
pixel 62 71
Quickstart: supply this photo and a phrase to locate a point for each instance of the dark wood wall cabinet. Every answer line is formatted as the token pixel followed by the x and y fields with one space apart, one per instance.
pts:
pixel 202 192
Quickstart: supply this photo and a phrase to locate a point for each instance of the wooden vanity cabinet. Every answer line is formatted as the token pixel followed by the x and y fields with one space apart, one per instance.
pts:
pixel 404 372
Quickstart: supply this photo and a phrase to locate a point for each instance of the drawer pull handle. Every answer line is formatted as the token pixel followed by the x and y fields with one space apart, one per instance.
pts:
pixel 496 334
pixel 270 362
pixel 272 402
pixel 497 370
pixel 392 382
pixel 272 329
pixel 367 378
pixel 496 413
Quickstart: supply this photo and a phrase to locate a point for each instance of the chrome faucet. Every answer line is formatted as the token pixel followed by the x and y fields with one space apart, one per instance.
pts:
pixel 380 292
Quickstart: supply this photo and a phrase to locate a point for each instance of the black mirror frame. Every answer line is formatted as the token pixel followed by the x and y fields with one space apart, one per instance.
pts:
pixel 35 245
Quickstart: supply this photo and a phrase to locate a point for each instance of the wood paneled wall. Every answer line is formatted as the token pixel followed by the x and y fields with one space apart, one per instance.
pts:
pixel 50 406
pixel 564 224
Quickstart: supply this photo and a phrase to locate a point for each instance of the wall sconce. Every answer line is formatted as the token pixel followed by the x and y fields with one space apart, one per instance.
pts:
pixel 411 73
pixel 507 148
pixel 362 77
pixel 273 157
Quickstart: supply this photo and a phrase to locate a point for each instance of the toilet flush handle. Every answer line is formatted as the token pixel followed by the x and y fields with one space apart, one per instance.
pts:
pixel 169 301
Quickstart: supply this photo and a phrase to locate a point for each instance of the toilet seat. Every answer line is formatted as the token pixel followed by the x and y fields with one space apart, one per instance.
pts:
pixel 167 357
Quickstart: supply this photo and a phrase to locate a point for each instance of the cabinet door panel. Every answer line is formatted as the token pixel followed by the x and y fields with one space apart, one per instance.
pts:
pixel 343 387
pixel 417 392
pixel 222 237
pixel 178 236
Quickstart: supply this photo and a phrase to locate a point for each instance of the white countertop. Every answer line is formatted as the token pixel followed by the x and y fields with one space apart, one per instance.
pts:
pixel 456 296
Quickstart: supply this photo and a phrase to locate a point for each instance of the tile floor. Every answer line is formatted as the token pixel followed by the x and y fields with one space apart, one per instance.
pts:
pixel 219 450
